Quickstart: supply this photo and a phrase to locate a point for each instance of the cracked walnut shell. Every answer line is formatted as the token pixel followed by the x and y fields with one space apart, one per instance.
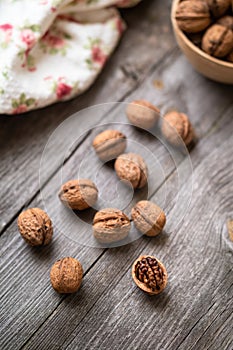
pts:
pixel 78 194
pixel 149 274
pixel 176 127
pixel 193 16
pixel 142 114
pixel 217 41
pixel 131 168
pixel 109 144
pixel 110 225
pixel 66 275
pixel 35 227
pixel 149 218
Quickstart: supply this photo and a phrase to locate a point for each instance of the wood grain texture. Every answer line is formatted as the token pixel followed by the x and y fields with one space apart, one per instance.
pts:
pixel 195 312
pixel 27 310
pixel 22 138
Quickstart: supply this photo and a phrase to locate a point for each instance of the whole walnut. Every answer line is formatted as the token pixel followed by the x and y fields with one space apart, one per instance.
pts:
pixel 193 16
pixel 109 144
pixel 131 168
pixel 176 127
pixel 217 41
pixel 35 227
pixel 226 21
pixel 142 114
pixel 110 225
pixel 218 7
pixel 66 275
pixel 148 217
pixel 78 194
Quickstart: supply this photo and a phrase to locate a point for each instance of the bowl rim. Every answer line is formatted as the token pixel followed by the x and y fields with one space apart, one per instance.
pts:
pixel 189 43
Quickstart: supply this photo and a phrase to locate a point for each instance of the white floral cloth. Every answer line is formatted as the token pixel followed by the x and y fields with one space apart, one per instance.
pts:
pixel 53 50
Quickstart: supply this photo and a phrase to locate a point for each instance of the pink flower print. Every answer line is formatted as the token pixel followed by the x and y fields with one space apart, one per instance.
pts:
pixel 53 41
pixel 62 90
pixel 98 56
pixel 28 37
pixel 7 29
pixel 20 109
pixel 22 104
pixel 48 77
pixel 28 60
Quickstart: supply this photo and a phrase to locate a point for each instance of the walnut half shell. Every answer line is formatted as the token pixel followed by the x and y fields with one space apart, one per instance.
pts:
pixel 149 274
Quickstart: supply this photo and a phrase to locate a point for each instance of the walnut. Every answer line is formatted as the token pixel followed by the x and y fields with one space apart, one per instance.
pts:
pixel 226 21
pixel 66 275
pixel 149 274
pixel 110 225
pixel 142 114
pixel 218 7
pixel 109 144
pixel 176 127
pixel 78 194
pixel 193 16
pixel 35 227
pixel 217 41
pixel 131 168
pixel 148 217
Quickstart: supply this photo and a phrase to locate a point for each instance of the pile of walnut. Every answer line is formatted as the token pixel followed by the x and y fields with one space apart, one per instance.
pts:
pixel 110 224
pixel 209 24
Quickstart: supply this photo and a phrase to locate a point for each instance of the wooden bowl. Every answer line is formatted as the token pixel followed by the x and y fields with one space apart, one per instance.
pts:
pixel 207 65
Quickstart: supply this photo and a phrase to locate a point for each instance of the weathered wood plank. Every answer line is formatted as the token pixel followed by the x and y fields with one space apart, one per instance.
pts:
pixel 196 309
pixel 22 138
pixel 29 303
pixel 30 299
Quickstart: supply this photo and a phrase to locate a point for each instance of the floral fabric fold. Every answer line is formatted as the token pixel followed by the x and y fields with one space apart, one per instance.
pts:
pixel 52 50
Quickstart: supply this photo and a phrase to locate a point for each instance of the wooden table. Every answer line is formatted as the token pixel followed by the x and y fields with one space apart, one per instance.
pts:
pixel 110 312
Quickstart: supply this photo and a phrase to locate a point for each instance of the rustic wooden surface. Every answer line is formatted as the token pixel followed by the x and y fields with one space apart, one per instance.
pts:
pixel 109 312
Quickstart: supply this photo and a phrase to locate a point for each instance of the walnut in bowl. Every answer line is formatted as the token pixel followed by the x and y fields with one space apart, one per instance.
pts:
pixel 216 68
